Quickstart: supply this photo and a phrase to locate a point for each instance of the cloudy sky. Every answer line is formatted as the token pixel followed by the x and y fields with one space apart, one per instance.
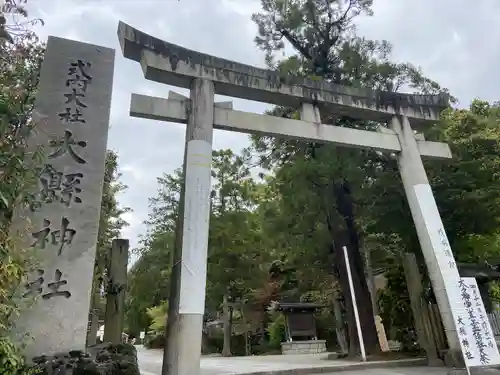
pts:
pixel 455 43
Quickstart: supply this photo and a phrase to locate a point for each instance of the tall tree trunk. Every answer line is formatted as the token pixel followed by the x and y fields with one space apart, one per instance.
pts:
pixel 226 349
pixel 370 278
pixel 363 299
pixel 341 271
pixel 350 239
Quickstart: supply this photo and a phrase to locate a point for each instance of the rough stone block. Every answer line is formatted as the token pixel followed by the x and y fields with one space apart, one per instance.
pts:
pixel 71 119
pixel 303 347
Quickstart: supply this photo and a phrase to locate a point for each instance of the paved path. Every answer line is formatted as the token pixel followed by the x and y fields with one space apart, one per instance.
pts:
pixel 396 371
pixel 150 362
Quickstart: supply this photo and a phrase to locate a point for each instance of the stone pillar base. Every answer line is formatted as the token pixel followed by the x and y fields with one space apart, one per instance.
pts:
pixel 303 347
pixel 453 358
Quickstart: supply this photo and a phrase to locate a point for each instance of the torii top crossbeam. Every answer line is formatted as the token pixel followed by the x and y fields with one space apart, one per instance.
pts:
pixel 171 64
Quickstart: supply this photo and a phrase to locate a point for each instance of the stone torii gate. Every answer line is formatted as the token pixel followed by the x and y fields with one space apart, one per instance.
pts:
pixel 206 76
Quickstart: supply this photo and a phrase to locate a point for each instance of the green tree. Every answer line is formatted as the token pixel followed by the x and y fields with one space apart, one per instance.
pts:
pixel 110 225
pixel 466 188
pixel 327 179
pixel 158 316
pixel 20 60
pixel 234 238
pixel 151 269
pixel 236 253
pixel 231 246
pixel 155 256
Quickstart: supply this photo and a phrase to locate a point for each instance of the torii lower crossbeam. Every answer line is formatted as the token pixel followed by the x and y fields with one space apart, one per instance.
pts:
pixel 175 109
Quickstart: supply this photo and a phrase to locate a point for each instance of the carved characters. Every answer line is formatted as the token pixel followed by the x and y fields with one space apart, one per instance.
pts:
pixel 65 146
pixel 37 287
pixel 78 75
pixel 59 237
pixel 74 97
pixel 446 249
pixel 77 81
pixel 68 116
pixel 55 186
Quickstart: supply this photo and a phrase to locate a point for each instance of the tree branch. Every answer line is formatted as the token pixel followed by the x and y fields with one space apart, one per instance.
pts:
pixel 296 44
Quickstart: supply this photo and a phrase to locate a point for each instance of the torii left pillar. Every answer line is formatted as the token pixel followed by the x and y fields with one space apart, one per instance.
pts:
pixel 189 268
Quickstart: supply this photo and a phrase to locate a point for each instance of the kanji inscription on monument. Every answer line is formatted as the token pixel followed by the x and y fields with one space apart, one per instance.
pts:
pixel 72 119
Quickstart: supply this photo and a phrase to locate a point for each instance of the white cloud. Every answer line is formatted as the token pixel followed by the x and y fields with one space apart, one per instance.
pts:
pixel 454 42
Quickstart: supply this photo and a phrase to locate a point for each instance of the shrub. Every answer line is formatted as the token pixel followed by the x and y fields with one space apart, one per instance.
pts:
pixel 325 328
pixel 213 344
pixel 395 309
pixel 120 359
pixel 11 360
pixel 19 70
pixel 276 330
pixel 158 315
pixel 154 341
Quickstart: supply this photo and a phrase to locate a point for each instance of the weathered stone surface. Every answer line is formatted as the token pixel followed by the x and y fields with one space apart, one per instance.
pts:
pixel 102 359
pixel 174 65
pixel 115 291
pixel 303 347
pixel 173 110
pixel 72 119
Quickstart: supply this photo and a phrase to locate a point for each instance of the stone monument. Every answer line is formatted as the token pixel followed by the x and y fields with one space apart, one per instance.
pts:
pixel 71 120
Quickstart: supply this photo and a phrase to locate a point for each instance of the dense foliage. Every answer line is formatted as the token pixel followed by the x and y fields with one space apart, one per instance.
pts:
pixel 20 58
pixel 110 225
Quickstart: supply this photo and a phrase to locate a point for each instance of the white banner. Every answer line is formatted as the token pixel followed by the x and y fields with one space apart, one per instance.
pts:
pixel 195 230
pixel 474 329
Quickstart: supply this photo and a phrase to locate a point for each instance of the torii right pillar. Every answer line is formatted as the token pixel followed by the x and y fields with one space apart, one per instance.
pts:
pixel 434 243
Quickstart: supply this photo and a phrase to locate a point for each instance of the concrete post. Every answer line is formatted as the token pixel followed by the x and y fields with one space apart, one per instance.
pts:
pixel 117 285
pixel 429 228
pixel 187 293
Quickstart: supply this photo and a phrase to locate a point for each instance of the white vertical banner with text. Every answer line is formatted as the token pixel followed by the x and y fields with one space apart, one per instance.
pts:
pixel 471 322
pixel 474 329
pixel 196 226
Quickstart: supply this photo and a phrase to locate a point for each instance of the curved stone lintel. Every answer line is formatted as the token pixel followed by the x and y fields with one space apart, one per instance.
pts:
pixel 175 65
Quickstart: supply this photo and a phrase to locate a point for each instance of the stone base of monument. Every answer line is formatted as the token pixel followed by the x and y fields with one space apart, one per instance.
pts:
pixel 303 347
pixel 99 359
